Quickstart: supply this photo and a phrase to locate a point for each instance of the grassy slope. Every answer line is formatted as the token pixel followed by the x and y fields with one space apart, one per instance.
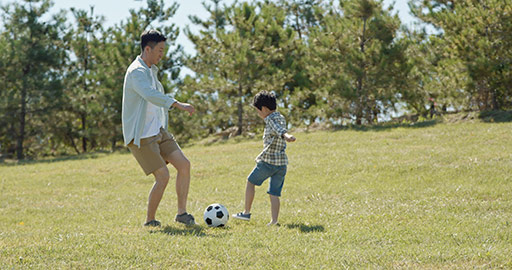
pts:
pixel 432 197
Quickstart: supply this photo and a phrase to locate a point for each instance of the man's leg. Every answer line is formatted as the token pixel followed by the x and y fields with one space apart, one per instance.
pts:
pixel 182 165
pixel 155 196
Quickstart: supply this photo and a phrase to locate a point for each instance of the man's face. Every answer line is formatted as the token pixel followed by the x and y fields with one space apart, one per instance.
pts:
pixel 155 54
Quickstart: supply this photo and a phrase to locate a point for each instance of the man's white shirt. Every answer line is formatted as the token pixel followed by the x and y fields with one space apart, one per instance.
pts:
pixel 153 123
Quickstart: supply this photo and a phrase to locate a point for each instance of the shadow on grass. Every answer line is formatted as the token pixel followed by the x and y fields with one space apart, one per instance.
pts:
pixel 195 230
pixel 388 126
pixel 496 116
pixel 93 155
pixel 187 231
pixel 306 228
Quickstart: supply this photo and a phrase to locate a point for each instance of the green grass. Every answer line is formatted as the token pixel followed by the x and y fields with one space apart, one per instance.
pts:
pixel 436 197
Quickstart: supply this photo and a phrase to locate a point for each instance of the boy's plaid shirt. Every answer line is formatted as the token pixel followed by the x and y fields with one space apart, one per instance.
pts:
pixel 274 145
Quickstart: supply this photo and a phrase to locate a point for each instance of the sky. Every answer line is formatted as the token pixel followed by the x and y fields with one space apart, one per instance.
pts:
pixel 116 11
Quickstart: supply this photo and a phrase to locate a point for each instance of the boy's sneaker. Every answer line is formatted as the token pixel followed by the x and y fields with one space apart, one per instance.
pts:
pixel 185 218
pixel 242 216
pixel 152 223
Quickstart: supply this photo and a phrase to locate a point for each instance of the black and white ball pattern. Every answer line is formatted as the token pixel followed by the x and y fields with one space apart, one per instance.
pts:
pixel 216 215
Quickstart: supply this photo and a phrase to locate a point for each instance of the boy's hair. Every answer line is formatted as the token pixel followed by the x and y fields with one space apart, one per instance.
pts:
pixel 266 99
pixel 151 38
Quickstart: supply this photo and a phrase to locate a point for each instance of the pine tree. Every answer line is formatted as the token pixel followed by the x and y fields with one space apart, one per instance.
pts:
pixel 82 76
pixel 305 99
pixel 35 52
pixel 434 81
pixel 7 106
pixel 301 15
pixel 248 52
pixel 358 64
pixel 478 33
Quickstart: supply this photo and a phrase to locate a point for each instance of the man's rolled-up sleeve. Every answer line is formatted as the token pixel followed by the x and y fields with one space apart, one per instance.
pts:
pixel 142 86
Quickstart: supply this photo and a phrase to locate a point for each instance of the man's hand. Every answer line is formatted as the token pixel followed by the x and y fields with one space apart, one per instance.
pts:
pixel 289 137
pixel 184 107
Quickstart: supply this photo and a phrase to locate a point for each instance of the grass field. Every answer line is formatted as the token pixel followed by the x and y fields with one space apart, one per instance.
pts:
pixel 432 197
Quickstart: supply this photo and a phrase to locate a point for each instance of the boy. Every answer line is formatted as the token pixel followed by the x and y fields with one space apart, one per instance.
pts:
pixel 144 118
pixel 272 161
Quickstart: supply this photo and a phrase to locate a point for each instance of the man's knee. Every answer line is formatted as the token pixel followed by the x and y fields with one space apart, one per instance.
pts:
pixel 181 163
pixel 162 176
pixel 186 164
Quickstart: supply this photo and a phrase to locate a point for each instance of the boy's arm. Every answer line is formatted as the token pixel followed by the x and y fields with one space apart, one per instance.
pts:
pixel 283 132
pixel 289 137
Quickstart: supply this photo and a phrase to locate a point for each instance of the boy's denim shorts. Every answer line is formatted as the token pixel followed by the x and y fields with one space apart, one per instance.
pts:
pixel 264 170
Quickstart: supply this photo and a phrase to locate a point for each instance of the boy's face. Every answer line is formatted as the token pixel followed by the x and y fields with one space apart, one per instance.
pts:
pixel 264 112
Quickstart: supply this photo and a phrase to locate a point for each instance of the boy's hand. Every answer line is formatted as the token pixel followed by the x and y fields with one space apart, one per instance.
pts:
pixel 289 137
pixel 184 107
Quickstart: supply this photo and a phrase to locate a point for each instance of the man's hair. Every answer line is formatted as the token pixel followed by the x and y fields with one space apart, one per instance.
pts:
pixel 151 38
pixel 266 99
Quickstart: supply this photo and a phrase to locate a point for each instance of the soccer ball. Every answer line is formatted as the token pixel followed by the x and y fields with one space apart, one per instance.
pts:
pixel 216 215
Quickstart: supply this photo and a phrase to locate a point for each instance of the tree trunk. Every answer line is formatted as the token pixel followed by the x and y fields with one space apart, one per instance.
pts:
pixel 73 143
pixel 360 80
pixel 114 143
pixel 299 30
pixel 484 99
pixel 69 135
pixel 23 113
pixel 240 109
pixel 84 138
pixel 84 114
pixel 494 100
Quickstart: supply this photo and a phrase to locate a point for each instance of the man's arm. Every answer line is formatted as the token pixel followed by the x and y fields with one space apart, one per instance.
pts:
pixel 184 107
pixel 143 87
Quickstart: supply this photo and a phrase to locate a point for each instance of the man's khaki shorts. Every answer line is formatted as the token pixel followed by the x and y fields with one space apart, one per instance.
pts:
pixel 153 151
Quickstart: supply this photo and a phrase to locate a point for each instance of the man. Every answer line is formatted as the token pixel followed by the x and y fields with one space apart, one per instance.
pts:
pixel 145 118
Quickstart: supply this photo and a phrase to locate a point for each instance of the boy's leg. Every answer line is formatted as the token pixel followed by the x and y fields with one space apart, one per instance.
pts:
pixel 275 188
pixel 157 192
pixel 182 165
pixel 250 190
pixel 275 204
pixel 256 178
pixel 261 172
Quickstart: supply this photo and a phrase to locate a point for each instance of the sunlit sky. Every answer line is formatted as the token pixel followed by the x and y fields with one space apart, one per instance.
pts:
pixel 116 11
